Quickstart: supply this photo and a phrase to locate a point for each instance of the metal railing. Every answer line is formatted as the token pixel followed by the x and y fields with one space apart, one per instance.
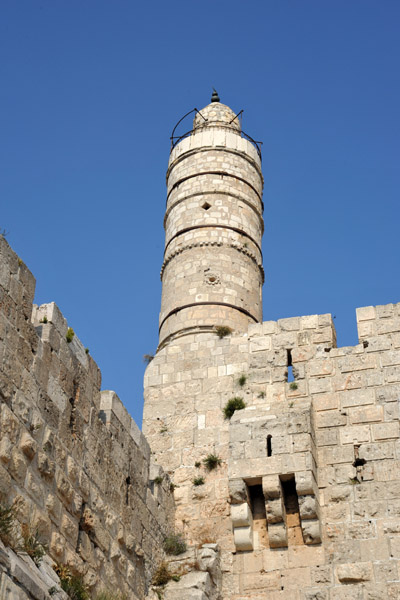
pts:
pixel 175 139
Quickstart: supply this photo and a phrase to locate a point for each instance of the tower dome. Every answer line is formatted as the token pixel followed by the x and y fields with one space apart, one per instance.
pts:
pixel 216 115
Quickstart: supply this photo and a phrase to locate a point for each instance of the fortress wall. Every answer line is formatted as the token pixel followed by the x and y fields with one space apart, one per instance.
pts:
pixel 72 461
pixel 313 512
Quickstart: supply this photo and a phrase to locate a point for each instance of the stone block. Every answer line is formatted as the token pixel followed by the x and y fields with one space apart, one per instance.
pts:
pixel 325 402
pixel 354 434
pixel 366 313
pixel 238 491
pixel 330 418
pixel 271 487
pixel 354 572
pixel 367 414
pixel 356 397
pixel 305 483
pixel 241 515
pixel 277 535
pixel 311 531
pixel 274 511
pixel 386 431
pixel 308 506
pixel 243 538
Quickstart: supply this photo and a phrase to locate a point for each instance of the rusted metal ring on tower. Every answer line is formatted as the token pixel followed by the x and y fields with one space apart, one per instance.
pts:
pixel 179 308
pixel 172 137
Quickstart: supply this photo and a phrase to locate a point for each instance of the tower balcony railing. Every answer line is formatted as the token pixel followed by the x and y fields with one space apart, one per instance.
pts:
pixel 175 139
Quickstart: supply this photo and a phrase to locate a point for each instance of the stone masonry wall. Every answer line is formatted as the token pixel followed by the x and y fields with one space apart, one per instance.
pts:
pixel 306 501
pixel 72 461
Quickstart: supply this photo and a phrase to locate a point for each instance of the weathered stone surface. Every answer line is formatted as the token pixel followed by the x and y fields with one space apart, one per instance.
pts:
pixel 304 496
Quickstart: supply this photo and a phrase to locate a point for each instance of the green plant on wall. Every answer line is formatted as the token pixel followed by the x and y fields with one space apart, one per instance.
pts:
pixel 232 405
pixel 211 462
pixel 161 575
pixel 110 595
pixel 70 335
pixel 242 380
pixel 198 481
pixel 31 544
pixel 174 544
pixel 73 585
pixel 7 519
pixel 222 331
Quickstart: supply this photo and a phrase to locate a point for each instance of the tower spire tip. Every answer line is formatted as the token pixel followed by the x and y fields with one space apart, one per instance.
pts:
pixel 215 97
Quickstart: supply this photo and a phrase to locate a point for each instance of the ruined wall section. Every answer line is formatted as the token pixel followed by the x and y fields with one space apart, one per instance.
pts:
pixel 72 461
pixel 305 503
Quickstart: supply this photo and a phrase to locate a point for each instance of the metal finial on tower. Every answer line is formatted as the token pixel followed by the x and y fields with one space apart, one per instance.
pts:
pixel 215 97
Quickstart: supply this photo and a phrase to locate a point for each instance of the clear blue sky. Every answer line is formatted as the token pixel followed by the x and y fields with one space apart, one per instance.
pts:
pixel 89 94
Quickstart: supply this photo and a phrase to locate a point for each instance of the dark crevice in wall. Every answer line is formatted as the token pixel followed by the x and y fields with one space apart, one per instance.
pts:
pixel 128 489
pixel 269 445
pixel 257 501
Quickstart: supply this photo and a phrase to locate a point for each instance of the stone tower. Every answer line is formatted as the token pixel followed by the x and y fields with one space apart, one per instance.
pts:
pixel 303 501
pixel 212 272
pixel 292 494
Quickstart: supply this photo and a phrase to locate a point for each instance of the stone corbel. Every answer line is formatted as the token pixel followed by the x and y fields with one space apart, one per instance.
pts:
pixel 275 511
pixel 307 492
pixel 242 519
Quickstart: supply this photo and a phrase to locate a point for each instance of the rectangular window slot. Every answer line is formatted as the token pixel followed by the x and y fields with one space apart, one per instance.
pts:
pixel 269 445
pixel 290 376
pixel 291 502
pixel 257 505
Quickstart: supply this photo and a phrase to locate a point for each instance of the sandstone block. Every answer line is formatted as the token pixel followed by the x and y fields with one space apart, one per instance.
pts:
pixel 241 515
pixel 5 449
pixel 243 538
pixel 354 572
pixel 367 414
pixel 238 491
pixel 309 508
pixel 385 431
pixel 274 511
pixel 28 445
pixel 271 486
pixel 305 483
pixel 311 532
pixel 277 535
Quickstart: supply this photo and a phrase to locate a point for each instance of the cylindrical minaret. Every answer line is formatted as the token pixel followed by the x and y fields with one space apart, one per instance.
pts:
pixel 212 273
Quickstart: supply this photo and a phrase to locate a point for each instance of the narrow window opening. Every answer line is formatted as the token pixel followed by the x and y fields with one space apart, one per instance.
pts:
pixel 128 484
pixel 290 375
pixel 291 501
pixel 206 206
pixel 269 445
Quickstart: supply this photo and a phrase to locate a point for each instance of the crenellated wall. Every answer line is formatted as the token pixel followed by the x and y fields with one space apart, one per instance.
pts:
pixel 305 504
pixel 72 461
